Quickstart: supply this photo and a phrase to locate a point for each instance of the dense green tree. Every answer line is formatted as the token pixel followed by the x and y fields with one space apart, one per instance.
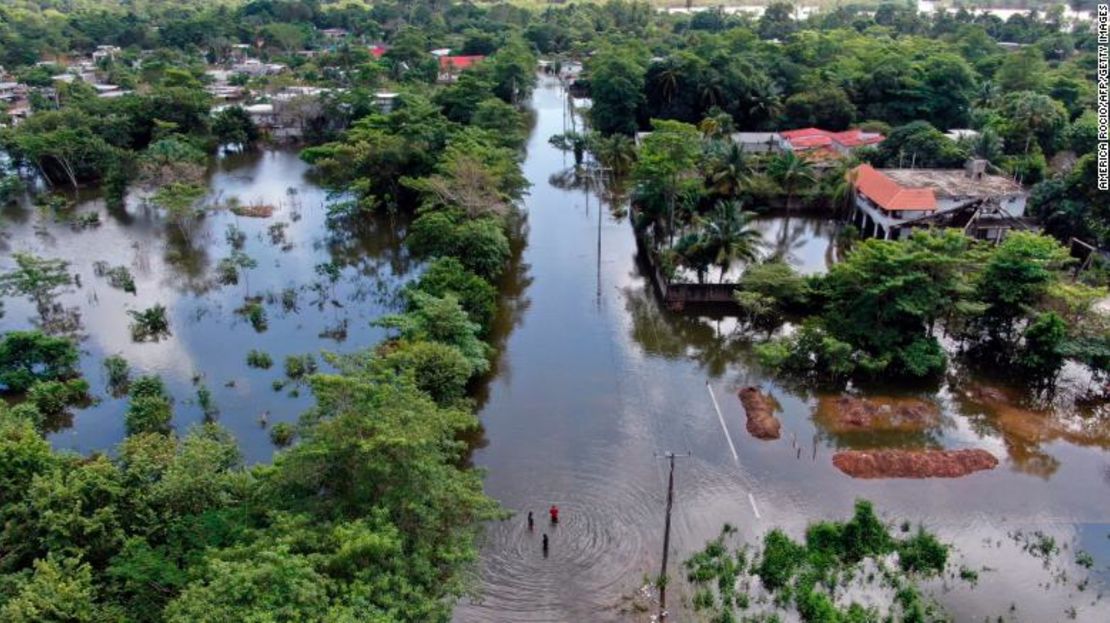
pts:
pixel 27 357
pixel 919 144
pixel 233 126
pixel 616 80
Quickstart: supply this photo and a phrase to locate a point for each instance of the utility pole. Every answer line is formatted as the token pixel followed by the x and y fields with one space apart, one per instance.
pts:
pixel 662 581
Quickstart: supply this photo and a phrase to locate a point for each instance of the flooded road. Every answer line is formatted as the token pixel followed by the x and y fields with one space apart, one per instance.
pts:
pixel 596 380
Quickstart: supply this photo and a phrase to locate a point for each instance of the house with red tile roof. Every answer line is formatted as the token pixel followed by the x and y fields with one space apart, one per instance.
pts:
pixel 823 143
pixel 451 66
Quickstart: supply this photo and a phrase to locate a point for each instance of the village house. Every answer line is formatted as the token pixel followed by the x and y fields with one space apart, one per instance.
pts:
pixel 959 134
pixel 384 101
pixel 335 33
pixel 12 91
pixel 105 51
pixel 889 203
pixel 255 68
pixel 755 142
pixel 822 144
pixel 378 50
pixel 451 66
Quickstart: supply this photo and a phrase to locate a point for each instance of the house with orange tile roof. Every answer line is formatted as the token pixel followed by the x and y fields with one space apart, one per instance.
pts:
pixel 888 203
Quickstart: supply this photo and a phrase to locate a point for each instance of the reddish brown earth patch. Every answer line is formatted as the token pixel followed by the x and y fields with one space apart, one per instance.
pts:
pixel 845 414
pixel 913 463
pixel 760 409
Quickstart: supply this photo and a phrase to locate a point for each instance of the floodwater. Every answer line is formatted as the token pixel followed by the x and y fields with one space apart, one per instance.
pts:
pixel 209 342
pixel 596 381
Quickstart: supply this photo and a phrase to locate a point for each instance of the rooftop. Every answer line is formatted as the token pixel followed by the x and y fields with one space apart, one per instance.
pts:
pixel 808 138
pixel 890 194
pixel 954 182
pixel 458 62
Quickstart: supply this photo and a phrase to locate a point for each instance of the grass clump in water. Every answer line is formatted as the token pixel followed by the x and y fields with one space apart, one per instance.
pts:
pixel 151 324
pixel 299 366
pixel 119 374
pixel 812 577
pixel 259 359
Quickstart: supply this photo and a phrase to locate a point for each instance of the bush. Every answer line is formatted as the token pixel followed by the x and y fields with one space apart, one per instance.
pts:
pixel 922 553
pixel 438 369
pixel 207 404
pixel 299 366
pixel 30 356
pixel 259 359
pixel 148 414
pixel 52 398
pixel 477 296
pixel 282 434
pixel 781 558
pixel 119 373
pixel 479 244
pixel 255 314
pixel 149 324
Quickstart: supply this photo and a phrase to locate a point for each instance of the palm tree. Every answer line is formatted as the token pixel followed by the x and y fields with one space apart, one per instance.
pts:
pixel 727 236
pixel 790 171
pixel 730 171
pixel 764 101
pixel 668 80
pixel 616 153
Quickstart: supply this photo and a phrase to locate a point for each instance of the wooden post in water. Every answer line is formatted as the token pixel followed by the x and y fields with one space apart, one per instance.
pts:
pixel 662 581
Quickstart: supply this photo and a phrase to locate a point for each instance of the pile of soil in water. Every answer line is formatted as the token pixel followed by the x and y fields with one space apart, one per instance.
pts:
pixel 913 463
pixel 846 414
pixel 760 409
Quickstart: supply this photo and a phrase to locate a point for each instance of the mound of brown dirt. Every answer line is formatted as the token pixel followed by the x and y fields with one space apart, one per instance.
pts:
pixel 844 414
pixel 913 463
pixel 760 409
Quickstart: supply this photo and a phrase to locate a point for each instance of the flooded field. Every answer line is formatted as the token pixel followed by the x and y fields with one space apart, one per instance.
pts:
pixel 594 382
pixel 305 311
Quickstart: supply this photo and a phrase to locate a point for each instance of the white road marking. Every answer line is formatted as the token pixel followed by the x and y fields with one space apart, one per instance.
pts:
pixel 731 446
pixel 721 418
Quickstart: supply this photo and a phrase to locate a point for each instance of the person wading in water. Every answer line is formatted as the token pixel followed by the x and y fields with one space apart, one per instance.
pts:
pixel 545 545
pixel 531 521
pixel 554 512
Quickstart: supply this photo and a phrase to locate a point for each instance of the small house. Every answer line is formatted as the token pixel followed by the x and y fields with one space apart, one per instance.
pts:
pixel 451 66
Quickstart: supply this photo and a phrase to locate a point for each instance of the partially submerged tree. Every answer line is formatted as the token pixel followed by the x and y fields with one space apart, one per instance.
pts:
pixel 182 204
pixel 39 279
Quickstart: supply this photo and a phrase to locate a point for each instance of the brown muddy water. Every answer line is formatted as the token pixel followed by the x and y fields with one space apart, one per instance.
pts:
pixel 594 380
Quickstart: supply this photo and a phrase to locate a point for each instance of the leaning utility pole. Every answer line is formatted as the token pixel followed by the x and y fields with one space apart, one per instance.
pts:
pixel 662 581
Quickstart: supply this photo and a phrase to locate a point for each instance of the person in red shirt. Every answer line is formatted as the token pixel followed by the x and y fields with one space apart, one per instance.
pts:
pixel 554 512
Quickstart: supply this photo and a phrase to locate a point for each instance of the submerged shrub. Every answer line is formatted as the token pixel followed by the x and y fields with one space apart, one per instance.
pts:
pixel 149 324
pixel 259 359
pixel 119 374
pixel 299 366
pixel 282 434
